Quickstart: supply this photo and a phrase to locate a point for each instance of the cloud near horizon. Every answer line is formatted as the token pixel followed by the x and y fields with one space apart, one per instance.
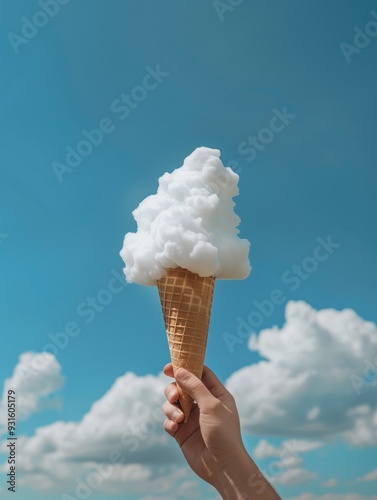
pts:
pixel 35 377
pixel 286 468
pixel 119 443
pixel 301 390
pixel 305 386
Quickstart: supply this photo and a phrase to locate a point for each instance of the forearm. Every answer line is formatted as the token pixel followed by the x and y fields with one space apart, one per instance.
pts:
pixel 242 480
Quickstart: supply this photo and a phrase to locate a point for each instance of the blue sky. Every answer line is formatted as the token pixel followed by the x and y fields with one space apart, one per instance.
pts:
pixel 219 76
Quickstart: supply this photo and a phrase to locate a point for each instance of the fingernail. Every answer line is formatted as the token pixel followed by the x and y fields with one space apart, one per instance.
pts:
pixel 171 395
pixel 180 372
pixel 176 414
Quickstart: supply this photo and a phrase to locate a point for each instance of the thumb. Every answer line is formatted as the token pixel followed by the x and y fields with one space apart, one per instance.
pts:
pixel 193 386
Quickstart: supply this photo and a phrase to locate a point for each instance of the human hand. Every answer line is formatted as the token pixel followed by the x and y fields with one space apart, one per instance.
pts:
pixel 211 439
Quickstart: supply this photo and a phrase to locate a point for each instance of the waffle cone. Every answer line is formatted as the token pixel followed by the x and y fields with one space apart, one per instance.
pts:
pixel 186 301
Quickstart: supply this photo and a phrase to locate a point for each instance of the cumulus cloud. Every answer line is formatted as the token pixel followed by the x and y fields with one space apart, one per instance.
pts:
pixel 294 477
pixel 265 449
pixel 301 389
pixel 330 483
pixel 284 469
pixel 371 476
pixel 305 385
pixel 188 489
pixel 35 377
pixel 119 443
pixel 364 430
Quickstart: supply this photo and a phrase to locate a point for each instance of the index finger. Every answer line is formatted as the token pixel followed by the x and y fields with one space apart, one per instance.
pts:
pixel 209 379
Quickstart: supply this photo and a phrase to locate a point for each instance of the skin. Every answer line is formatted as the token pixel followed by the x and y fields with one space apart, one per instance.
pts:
pixel 211 440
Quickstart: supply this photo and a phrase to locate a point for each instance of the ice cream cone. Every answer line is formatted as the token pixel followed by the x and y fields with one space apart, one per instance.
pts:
pixel 186 301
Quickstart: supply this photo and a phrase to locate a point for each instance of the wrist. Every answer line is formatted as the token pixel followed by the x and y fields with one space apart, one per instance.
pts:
pixel 241 479
pixel 232 478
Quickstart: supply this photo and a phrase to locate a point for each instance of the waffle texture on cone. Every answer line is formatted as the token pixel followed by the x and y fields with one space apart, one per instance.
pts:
pixel 186 301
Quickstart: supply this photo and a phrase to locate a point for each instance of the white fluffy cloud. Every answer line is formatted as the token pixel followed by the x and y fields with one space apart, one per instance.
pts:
pixel 35 377
pixel 302 389
pixel 317 379
pixel 264 449
pixel 371 476
pixel 284 469
pixel 330 483
pixel 294 477
pixel 118 445
pixel 364 430
pixel 188 489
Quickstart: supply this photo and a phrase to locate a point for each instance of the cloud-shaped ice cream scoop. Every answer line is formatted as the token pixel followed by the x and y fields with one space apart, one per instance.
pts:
pixel 189 223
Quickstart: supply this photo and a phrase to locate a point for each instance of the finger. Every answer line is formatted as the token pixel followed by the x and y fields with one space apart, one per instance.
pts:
pixel 172 412
pixel 193 386
pixel 168 370
pixel 171 393
pixel 213 384
pixel 170 427
pixel 188 429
